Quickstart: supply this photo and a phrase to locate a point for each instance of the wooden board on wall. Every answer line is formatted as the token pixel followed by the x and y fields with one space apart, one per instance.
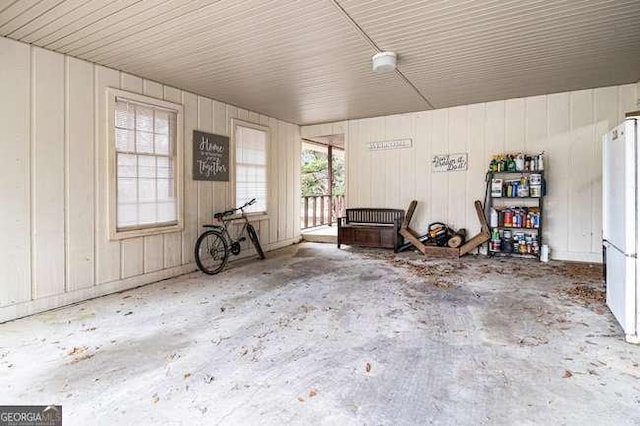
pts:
pixel 190 102
pixel 15 216
pixel 108 253
pixel 47 177
pixel 80 175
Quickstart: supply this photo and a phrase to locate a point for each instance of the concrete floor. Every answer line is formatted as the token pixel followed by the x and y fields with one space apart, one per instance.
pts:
pixel 321 234
pixel 316 335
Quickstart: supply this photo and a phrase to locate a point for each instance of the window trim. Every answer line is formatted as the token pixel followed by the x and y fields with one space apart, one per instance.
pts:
pixel 235 122
pixel 112 186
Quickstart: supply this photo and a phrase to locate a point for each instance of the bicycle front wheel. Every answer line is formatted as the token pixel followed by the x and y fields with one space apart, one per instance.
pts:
pixel 211 252
pixel 253 236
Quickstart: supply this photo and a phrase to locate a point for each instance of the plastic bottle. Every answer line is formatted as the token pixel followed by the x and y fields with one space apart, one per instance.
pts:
pixel 520 162
pixel 493 218
pixel 541 161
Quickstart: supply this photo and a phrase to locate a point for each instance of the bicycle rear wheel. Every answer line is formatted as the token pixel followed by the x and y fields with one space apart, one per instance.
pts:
pixel 253 236
pixel 211 252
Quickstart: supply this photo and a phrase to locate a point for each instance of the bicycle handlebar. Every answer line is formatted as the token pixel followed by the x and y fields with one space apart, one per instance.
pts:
pixel 247 204
pixel 225 213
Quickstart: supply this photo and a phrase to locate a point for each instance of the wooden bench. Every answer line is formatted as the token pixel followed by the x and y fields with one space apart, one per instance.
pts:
pixel 370 227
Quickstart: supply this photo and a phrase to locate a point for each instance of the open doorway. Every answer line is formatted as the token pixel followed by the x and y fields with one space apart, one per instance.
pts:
pixel 322 187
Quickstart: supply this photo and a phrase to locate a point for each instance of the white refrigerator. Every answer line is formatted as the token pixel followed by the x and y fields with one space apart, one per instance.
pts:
pixel 621 225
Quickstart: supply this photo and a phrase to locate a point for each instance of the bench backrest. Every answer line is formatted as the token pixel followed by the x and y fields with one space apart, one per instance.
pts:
pixel 371 215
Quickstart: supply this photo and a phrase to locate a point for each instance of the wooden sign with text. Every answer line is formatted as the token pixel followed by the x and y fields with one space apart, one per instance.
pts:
pixel 449 162
pixel 210 157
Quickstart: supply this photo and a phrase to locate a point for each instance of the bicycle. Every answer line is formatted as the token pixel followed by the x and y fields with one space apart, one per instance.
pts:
pixel 213 246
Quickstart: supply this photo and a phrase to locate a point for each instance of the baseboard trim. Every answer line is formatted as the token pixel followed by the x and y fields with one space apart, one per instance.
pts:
pixel 576 256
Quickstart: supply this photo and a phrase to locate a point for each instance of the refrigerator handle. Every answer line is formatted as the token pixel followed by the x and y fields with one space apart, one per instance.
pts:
pixel 604 262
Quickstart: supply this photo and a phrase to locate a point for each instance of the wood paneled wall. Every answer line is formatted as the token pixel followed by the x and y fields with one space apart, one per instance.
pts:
pixel 568 127
pixel 54 246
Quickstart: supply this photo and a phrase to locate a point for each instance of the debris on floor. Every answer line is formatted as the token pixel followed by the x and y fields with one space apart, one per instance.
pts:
pixel 588 294
pixel 328 336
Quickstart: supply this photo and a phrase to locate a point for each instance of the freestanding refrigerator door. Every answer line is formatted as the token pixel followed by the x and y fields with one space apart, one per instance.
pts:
pixel 619 188
pixel 621 291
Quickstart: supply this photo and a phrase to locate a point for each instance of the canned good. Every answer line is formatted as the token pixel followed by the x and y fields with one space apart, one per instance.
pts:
pixel 535 179
pixel 536 191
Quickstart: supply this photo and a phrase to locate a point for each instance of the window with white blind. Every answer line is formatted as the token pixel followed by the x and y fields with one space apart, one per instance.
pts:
pixel 251 143
pixel 146 181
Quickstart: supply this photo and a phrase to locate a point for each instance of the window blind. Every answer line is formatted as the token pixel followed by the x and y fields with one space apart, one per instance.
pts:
pixel 251 167
pixel 145 156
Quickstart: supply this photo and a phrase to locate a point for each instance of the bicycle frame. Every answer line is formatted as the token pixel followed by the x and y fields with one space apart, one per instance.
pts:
pixel 224 229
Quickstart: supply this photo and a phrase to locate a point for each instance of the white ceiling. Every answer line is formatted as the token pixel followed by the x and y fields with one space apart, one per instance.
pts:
pixel 308 61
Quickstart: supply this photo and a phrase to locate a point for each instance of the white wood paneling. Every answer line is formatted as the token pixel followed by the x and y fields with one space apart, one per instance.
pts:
pixel 190 102
pixel 47 172
pixel 80 173
pixel 107 252
pixel 205 188
pixel 132 257
pixel 274 196
pixel 15 191
pixel 172 250
pixel 54 173
pixel 173 242
pixel 581 168
pixel 153 253
pixel 220 190
pixel 557 163
pixel 568 127
pixel 458 134
pixel 477 167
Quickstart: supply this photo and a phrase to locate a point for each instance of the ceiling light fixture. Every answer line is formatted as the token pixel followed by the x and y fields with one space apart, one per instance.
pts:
pixel 384 61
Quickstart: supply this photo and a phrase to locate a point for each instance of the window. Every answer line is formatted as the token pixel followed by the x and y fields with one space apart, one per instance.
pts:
pixel 251 165
pixel 146 179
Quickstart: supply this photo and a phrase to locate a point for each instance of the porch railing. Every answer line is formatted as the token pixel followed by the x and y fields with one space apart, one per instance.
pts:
pixel 320 210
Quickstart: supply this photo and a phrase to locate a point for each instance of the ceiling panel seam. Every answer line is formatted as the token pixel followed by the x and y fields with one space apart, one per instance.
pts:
pixel 19 14
pixel 8 6
pixel 373 44
pixel 59 39
pixel 36 17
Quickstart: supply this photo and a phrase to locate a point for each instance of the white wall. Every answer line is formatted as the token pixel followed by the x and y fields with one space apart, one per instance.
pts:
pixel 54 246
pixel 567 126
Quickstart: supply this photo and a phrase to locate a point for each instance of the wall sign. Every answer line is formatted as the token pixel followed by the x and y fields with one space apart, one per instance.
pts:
pixel 392 144
pixel 449 162
pixel 210 157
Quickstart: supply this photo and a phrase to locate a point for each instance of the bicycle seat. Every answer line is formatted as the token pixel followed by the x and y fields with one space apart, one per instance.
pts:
pixel 220 215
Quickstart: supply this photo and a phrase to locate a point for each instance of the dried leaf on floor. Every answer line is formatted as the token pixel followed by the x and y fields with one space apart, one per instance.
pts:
pixel 567 374
pixel 187 375
pixel 312 393
pixel 76 350
pixel 82 358
pixel 301 399
pixel 587 294
pixel 367 367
